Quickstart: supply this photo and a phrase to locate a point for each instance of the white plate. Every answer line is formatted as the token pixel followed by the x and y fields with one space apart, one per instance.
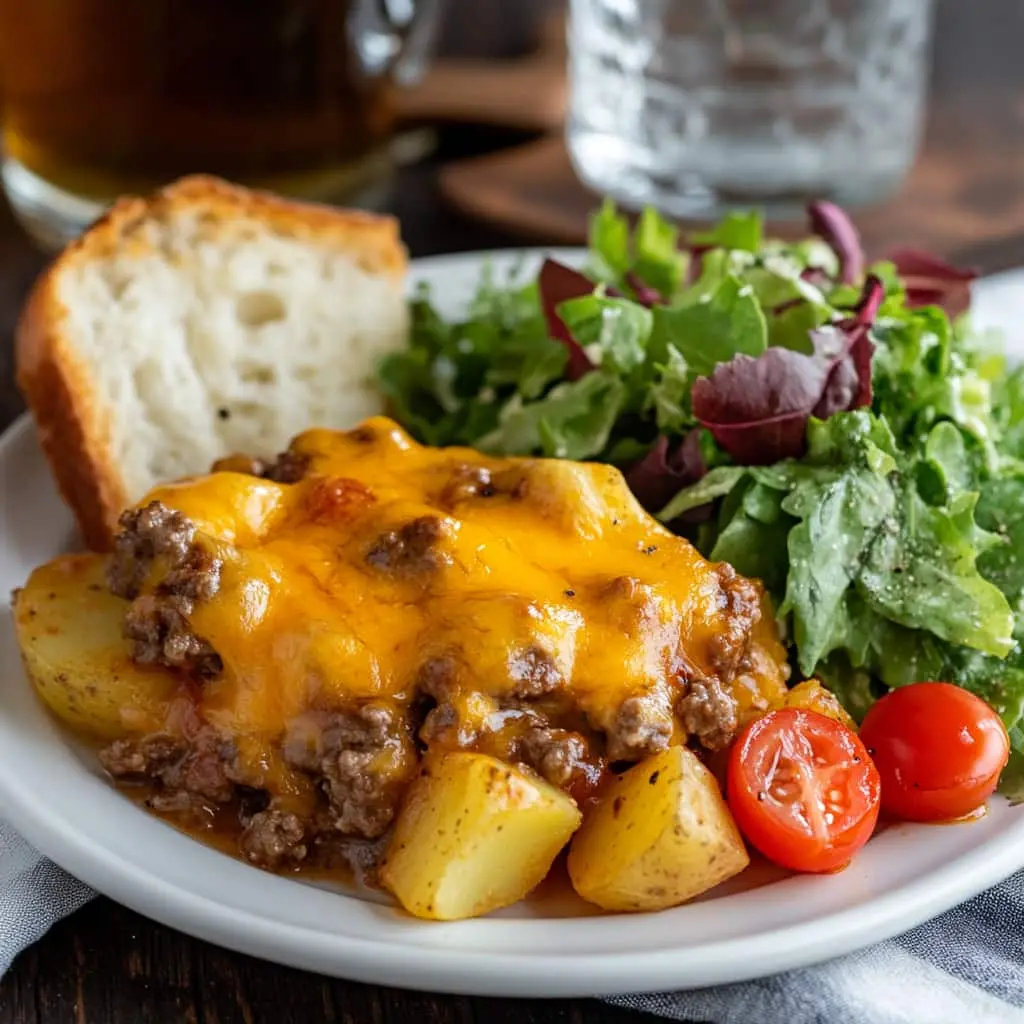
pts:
pixel 906 875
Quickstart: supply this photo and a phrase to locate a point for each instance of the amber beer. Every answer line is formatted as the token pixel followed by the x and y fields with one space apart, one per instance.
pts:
pixel 106 96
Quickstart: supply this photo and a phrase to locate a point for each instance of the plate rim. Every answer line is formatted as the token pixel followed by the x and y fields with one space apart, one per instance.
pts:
pixel 501 973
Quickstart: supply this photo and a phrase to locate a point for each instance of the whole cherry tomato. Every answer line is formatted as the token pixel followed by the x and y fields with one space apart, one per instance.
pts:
pixel 939 750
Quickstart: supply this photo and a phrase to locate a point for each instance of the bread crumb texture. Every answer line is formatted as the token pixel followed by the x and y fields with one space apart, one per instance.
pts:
pixel 211 319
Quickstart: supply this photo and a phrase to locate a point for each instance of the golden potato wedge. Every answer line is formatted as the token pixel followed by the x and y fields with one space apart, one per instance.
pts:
pixel 661 835
pixel 475 834
pixel 812 696
pixel 69 630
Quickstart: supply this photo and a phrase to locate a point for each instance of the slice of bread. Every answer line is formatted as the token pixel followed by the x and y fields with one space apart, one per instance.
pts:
pixel 200 321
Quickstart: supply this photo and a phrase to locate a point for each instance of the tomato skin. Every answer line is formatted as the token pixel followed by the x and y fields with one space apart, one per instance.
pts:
pixel 939 750
pixel 803 789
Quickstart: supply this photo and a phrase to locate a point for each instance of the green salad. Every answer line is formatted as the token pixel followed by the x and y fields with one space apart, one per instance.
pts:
pixel 830 425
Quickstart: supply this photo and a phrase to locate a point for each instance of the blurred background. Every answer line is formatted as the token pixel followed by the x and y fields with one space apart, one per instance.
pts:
pixel 489 122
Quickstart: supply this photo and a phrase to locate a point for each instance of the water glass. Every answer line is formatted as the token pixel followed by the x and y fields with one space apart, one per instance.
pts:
pixel 697 106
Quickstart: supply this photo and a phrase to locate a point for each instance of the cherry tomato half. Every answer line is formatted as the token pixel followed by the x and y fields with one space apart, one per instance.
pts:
pixel 803 789
pixel 939 750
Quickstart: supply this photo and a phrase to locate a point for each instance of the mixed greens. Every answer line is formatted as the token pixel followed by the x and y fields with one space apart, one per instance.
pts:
pixel 832 427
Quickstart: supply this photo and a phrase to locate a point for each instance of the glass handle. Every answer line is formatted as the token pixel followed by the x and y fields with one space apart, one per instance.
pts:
pixel 395 36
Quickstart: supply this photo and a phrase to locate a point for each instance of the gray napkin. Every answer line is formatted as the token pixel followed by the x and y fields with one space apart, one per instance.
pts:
pixel 34 894
pixel 965 967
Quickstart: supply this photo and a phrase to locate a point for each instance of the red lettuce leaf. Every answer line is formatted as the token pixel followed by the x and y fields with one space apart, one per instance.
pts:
pixel 757 408
pixel 832 223
pixel 815 276
pixel 848 379
pixel 871 298
pixel 665 470
pixel 558 283
pixel 930 281
pixel 644 294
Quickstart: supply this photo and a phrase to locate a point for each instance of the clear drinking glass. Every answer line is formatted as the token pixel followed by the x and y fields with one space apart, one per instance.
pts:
pixel 696 106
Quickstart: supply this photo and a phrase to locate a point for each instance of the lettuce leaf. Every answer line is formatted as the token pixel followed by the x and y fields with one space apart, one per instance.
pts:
pixel 921 572
pixel 710 332
pixel 612 331
pixel 658 261
pixel 573 421
pixel 754 538
pixel 651 257
pixel 742 230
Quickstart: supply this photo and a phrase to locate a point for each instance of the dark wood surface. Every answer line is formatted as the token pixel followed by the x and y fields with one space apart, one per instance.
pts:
pixel 107 965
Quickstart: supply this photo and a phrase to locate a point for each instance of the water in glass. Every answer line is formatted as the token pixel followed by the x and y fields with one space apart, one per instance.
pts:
pixel 699 105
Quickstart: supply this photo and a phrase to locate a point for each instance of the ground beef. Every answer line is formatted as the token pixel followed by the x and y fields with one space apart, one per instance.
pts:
pixel 185 773
pixel 147 533
pixel 178 802
pixel 709 713
pixel 739 598
pixel 362 760
pixel 556 754
pixel 209 770
pixel 195 578
pixel 288 468
pixel 533 673
pixel 642 726
pixel 161 635
pixel 442 728
pixel 437 677
pixel 360 796
pixel 446 728
pixel 467 482
pixel 139 760
pixel 157 622
pixel 412 550
pixel 274 838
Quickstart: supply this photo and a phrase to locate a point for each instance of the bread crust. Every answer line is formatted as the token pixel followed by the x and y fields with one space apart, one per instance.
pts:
pixel 75 431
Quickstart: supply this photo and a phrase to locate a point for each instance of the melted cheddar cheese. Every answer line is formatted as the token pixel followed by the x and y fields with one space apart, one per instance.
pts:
pixel 391 570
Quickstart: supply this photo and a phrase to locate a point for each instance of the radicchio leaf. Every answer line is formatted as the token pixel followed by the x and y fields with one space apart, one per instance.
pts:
pixel 832 223
pixel 558 283
pixel 930 281
pixel 757 408
pixel 665 470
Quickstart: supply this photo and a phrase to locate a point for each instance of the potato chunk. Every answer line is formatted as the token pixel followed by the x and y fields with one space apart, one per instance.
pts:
pixel 661 835
pixel 474 834
pixel 69 631
pixel 812 696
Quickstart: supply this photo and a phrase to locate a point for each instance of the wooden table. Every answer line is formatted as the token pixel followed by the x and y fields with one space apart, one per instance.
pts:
pixel 107 965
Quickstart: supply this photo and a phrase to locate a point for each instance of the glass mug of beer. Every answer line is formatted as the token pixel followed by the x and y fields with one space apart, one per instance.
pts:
pixel 103 97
